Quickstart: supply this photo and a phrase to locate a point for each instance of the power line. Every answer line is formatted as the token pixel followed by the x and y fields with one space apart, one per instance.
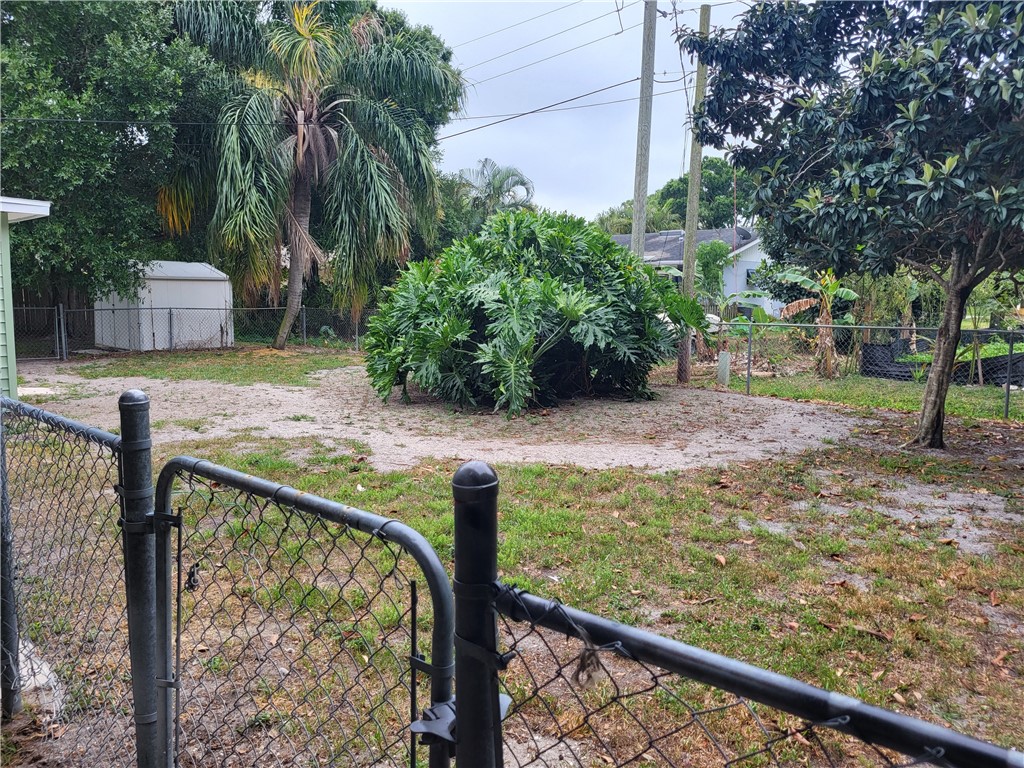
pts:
pixel 549 37
pixel 553 108
pixel 578 106
pixel 556 55
pixel 539 109
pixel 518 24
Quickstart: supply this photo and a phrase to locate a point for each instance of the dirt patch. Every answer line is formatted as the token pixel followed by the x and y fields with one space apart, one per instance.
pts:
pixel 681 429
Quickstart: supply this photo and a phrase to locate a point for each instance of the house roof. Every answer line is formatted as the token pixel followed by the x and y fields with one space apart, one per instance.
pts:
pixel 667 247
pixel 182 270
pixel 20 209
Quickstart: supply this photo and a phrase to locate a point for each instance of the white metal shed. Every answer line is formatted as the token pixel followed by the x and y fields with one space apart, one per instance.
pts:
pixel 181 305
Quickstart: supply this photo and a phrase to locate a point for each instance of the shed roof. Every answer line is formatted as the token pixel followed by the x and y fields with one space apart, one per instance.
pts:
pixel 667 247
pixel 21 209
pixel 183 270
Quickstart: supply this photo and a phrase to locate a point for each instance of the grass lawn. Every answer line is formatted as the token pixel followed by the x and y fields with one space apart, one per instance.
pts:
pixel 867 392
pixel 241 365
pixel 753 562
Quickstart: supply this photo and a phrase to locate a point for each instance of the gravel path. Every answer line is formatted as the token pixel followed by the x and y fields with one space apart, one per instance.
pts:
pixel 683 428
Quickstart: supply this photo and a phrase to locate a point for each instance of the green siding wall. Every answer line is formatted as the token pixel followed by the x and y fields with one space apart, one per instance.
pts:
pixel 8 366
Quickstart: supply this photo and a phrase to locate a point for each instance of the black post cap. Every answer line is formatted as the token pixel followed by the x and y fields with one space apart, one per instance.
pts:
pixel 132 399
pixel 474 480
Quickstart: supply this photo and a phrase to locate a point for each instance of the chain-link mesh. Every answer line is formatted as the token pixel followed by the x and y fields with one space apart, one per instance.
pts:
pixel 574 703
pixel 69 585
pixel 294 635
pixel 36 333
pixel 45 332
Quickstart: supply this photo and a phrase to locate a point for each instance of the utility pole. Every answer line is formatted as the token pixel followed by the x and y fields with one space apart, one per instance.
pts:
pixel 643 130
pixel 693 200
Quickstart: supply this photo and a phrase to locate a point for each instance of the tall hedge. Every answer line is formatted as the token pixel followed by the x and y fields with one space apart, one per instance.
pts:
pixel 536 308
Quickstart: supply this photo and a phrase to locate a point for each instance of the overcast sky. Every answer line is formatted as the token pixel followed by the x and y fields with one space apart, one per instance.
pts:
pixel 580 160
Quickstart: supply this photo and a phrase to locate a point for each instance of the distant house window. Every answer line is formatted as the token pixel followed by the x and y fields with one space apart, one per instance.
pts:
pixel 750 276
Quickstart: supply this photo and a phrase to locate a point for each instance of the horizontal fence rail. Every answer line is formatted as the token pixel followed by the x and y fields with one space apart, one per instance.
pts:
pixel 295 633
pixel 786 359
pixel 63 574
pixel 586 690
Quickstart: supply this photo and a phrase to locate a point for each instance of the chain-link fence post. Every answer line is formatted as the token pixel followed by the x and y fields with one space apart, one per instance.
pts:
pixel 10 679
pixel 750 351
pixel 136 491
pixel 1009 379
pixel 478 713
pixel 303 312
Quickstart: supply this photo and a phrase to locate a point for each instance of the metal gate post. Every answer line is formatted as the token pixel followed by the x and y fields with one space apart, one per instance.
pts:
pixel 477 707
pixel 136 491
pixel 10 678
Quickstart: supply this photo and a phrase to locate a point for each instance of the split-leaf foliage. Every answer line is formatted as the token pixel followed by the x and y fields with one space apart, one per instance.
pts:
pixel 536 308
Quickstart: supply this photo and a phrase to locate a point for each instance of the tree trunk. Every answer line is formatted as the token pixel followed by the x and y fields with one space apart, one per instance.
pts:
pixel 933 407
pixel 683 359
pixel 826 344
pixel 297 239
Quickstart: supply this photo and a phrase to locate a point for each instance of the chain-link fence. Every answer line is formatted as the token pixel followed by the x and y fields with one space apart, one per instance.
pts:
pixel 64 575
pixel 869 366
pixel 53 332
pixel 631 698
pixel 37 333
pixel 581 690
pixel 296 626
pixel 270 627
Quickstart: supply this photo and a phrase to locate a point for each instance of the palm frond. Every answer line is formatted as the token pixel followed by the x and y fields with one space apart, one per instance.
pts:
pixel 252 185
pixel 233 30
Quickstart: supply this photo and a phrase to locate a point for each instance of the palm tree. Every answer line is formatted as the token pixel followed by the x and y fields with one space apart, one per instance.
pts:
pixel 328 116
pixel 492 188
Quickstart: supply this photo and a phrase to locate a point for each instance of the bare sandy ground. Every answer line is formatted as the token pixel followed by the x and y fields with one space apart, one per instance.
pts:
pixel 683 428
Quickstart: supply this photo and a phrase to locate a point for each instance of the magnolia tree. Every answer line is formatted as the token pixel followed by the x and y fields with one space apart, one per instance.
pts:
pixel 881 135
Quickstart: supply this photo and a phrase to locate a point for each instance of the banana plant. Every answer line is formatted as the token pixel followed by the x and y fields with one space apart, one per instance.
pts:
pixel 826 287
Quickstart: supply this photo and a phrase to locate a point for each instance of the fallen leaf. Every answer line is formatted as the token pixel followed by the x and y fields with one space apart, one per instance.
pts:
pixel 917 617
pixel 899 699
pixel 792 625
pixel 885 637
pixel 747 541
pixel 993 599
pixel 950 543
pixel 877 674
pixel 1001 656
pixel 720 559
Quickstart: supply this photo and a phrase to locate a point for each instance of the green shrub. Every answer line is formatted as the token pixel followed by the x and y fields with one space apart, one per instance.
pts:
pixel 537 307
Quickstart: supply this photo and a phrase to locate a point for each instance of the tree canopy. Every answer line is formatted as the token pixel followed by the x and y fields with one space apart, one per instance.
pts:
pixel 618 220
pixel 471 196
pixel 719 196
pixel 91 97
pixel 880 134
pixel 325 146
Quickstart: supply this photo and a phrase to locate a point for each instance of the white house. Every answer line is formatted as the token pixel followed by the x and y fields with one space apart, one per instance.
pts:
pixel 736 275
pixel 665 249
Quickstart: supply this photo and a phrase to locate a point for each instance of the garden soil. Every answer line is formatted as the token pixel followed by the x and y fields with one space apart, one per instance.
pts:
pixel 681 428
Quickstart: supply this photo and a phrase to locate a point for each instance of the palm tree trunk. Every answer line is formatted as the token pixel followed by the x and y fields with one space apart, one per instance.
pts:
pixel 298 237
